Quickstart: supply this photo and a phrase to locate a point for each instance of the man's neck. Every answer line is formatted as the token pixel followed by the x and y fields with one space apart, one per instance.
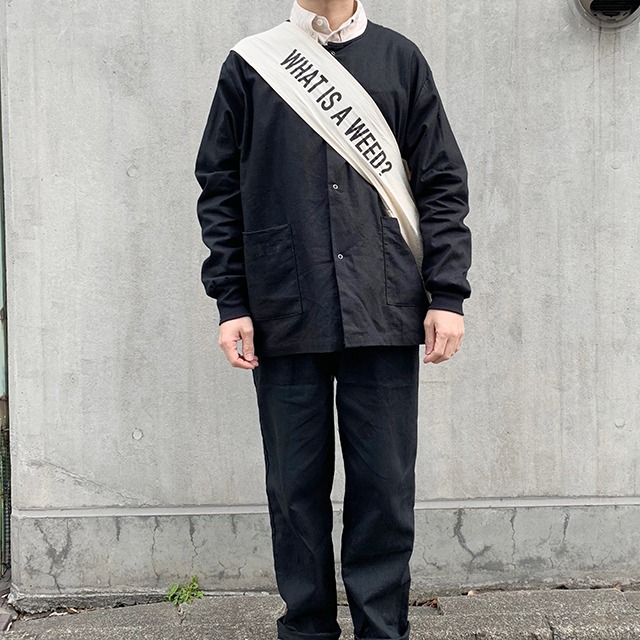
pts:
pixel 337 12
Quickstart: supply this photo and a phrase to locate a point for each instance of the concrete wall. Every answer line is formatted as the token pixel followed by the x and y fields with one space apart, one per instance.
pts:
pixel 136 453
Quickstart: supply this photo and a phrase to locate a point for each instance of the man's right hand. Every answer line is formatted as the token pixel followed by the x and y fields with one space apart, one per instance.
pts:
pixel 233 331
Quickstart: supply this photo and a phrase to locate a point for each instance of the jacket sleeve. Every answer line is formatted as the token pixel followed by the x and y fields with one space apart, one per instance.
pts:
pixel 439 185
pixel 219 206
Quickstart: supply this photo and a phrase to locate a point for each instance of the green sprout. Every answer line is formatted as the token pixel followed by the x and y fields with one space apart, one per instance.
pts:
pixel 180 595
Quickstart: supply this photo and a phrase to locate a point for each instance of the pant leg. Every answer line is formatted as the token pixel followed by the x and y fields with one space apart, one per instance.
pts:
pixel 377 404
pixel 295 403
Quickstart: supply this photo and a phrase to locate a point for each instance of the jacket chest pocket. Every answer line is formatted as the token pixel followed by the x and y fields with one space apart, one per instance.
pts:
pixel 272 275
pixel 403 281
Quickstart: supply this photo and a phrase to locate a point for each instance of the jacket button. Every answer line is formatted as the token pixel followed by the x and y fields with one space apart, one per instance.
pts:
pixel 333 53
pixel 335 186
pixel 340 256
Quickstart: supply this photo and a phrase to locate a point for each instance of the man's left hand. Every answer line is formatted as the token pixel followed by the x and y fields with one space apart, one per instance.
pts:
pixel 443 334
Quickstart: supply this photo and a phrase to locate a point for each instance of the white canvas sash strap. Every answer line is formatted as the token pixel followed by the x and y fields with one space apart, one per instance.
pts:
pixel 335 105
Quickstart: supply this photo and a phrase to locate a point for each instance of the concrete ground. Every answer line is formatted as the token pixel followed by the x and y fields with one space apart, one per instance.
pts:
pixel 554 614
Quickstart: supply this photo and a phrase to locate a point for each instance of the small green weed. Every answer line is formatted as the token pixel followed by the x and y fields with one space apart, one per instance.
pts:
pixel 179 594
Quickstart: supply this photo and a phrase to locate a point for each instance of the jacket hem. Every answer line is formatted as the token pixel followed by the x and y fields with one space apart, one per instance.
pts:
pixel 392 340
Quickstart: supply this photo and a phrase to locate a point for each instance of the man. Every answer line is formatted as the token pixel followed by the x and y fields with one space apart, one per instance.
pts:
pixel 317 282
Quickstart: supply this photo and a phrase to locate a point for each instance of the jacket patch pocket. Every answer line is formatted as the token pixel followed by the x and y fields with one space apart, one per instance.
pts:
pixel 272 275
pixel 403 281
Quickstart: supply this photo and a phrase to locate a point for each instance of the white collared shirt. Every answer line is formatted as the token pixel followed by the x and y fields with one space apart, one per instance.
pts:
pixel 318 26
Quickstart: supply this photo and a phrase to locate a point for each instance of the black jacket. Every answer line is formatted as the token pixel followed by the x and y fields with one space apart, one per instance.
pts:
pixel 299 240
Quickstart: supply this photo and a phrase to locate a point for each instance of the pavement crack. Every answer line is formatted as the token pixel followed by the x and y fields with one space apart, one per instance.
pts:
pixel 192 530
pixel 153 547
pixel 55 556
pixel 551 628
pixel 513 537
pixel 567 517
pixel 457 530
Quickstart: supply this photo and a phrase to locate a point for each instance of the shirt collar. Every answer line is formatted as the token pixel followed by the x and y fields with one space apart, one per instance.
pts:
pixel 318 26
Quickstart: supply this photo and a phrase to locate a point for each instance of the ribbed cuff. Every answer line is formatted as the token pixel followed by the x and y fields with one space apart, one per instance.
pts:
pixel 227 312
pixel 447 302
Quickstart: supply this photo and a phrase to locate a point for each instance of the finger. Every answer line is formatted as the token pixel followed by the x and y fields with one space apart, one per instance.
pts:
pixel 452 347
pixel 438 348
pixel 247 344
pixel 430 338
pixel 246 364
pixel 230 348
pixel 448 351
pixel 457 341
pixel 241 363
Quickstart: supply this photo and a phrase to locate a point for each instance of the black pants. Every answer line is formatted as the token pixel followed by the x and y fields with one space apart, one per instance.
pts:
pixel 377 407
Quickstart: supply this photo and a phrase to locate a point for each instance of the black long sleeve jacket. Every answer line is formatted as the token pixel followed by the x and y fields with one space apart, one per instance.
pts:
pixel 299 241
